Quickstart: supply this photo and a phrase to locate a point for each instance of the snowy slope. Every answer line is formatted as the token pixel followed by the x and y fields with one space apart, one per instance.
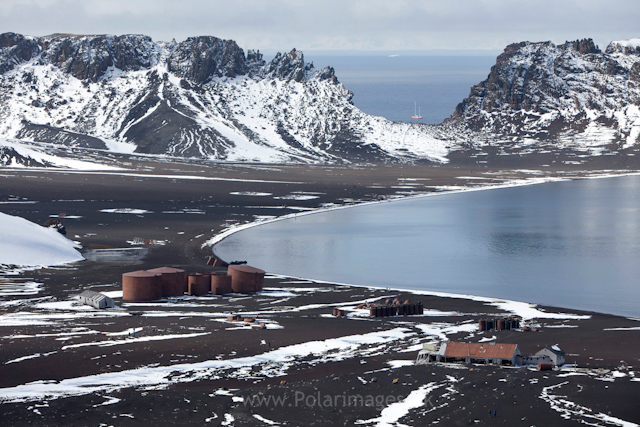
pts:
pixel 24 243
pixel 200 98
pixel 18 154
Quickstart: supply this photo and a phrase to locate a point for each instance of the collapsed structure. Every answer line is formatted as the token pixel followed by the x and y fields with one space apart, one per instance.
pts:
pixel 158 283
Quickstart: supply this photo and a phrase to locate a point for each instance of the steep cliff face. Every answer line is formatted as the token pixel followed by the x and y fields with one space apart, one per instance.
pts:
pixel 564 95
pixel 202 97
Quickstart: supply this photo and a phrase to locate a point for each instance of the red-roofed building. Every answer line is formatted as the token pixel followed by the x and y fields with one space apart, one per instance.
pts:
pixel 488 352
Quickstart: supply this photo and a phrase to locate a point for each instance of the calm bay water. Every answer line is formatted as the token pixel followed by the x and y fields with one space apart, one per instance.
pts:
pixel 570 244
pixel 389 86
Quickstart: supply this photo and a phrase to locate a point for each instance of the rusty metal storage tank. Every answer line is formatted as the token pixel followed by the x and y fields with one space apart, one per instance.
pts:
pixel 501 325
pixel 141 286
pixel 245 278
pixel 545 366
pixel 199 284
pixel 174 281
pixel 482 325
pixel 221 284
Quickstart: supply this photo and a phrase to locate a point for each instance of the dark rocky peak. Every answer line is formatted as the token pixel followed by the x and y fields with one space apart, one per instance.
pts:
pixel 627 47
pixel 89 57
pixel 289 66
pixel 201 58
pixel 16 49
pixel 582 46
pixel 327 73
pixel 255 61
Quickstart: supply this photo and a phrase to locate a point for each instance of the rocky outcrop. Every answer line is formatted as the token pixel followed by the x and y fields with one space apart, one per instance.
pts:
pixel 16 49
pixel 89 57
pixel 559 95
pixel 10 157
pixel 201 58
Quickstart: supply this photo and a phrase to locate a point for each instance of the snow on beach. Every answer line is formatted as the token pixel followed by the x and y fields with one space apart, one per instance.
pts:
pixel 273 363
pixel 27 244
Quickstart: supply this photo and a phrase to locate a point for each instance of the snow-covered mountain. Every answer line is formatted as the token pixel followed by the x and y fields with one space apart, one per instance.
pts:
pixel 205 97
pixel 542 96
pixel 199 98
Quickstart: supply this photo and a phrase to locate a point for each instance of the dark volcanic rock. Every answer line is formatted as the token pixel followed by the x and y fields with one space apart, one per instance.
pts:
pixel 15 49
pixel 201 58
pixel 53 135
pixel 555 93
pixel 89 57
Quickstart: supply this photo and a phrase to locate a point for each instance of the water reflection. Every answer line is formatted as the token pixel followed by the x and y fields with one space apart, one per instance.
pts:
pixel 572 244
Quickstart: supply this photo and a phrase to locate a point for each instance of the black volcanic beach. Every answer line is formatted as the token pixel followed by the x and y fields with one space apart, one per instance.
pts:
pixel 65 365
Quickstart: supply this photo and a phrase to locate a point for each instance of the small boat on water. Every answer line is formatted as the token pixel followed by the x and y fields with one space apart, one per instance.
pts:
pixel 416 115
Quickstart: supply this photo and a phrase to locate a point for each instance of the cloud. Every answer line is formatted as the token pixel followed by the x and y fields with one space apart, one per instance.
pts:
pixel 334 24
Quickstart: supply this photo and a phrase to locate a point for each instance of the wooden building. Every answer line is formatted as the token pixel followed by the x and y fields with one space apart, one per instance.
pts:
pixel 96 299
pixel 488 353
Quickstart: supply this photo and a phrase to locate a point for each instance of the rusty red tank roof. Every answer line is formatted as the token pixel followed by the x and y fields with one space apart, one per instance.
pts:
pixel 481 350
pixel 166 270
pixel 140 273
pixel 246 269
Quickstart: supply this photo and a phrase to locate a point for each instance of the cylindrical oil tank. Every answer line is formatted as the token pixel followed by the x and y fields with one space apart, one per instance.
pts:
pixel 516 323
pixel 141 286
pixel 174 281
pixel 491 325
pixel 245 278
pixel 420 307
pixel 221 284
pixel 401 310
pixel 199 284
pixel 501 324
pixel 482 325
pixel 378 311
pixel 545 366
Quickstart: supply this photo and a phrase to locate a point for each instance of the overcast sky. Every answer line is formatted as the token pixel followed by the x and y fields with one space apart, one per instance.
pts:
pixel 370 25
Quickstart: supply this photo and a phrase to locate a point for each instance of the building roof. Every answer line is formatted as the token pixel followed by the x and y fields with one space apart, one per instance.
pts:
pixel 95 296
pixel 91 294
pixel 481 350
pixel 554 349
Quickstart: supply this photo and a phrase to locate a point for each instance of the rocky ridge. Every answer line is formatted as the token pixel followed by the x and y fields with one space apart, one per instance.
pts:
pixel 205 98
pixel 199 98
pixel 542 96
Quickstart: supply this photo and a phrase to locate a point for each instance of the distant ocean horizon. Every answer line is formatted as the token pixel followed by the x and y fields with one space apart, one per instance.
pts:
pixel 390 86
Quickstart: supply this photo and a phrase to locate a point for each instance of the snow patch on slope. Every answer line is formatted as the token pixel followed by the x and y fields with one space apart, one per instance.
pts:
pixel 27 244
